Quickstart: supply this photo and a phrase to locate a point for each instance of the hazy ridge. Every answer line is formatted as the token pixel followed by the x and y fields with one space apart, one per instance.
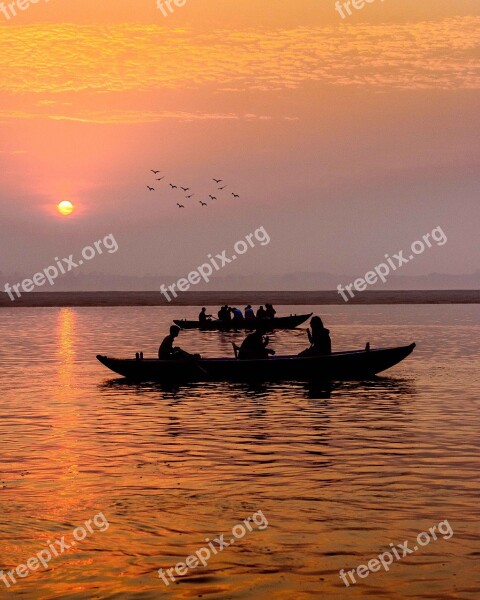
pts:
pixel 216 298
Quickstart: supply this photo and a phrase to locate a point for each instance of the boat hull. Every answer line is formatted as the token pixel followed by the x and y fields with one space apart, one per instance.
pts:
pixel 289 322
pixel 336 366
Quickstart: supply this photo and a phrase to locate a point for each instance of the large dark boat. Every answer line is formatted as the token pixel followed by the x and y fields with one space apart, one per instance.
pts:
pixel 356 364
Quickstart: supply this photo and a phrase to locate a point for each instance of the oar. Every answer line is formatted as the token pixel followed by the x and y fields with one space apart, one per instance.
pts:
pixel 189 360
pixel 201 369
pixel 194 361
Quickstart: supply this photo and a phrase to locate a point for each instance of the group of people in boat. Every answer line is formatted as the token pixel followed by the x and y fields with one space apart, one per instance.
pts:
pixel 255 345
pixel 233 316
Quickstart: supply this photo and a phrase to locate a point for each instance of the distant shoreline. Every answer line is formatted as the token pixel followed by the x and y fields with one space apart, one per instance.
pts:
pixel 241 298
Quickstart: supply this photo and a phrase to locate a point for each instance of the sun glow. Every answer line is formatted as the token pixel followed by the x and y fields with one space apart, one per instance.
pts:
pixel 65 208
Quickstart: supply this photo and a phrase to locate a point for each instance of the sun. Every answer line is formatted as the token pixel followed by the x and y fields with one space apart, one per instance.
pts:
pixel 65 208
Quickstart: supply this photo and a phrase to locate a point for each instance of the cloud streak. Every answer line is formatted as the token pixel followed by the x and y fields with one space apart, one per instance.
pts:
pixel 54 59
pixel 132 117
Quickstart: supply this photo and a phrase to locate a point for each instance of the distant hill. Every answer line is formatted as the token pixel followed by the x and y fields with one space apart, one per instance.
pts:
pixel 300 281
pixel 239 298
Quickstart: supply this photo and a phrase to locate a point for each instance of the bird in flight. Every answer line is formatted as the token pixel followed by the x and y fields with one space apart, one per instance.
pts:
pixel 160 178
pixel 150 188
pixel 212 197
pixel 218 180
pixel 185 189
pixel 174 187
pixel 190 196
pixel 203 203
pixel 180 205
pixel 154 172
pixel 235 195
pixel 222 188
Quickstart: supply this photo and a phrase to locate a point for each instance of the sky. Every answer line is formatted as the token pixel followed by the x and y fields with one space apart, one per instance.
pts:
pixel 346 139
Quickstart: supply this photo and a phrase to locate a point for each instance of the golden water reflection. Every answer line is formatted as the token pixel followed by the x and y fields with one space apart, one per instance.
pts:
pixel 339 471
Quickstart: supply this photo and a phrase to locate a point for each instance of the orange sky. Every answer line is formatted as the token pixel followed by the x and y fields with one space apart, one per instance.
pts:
pixel 346 139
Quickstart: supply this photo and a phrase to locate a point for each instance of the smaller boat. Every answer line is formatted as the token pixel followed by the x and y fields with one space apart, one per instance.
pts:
pixel 268 324
pixel 356 364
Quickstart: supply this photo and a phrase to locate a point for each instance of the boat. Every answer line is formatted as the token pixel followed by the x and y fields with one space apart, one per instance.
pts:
pixel 356 364
pixel 269 324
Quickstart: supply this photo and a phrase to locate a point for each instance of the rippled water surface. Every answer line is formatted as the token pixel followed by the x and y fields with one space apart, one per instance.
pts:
pixel 339 472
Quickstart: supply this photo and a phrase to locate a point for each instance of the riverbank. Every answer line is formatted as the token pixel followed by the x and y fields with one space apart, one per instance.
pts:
pixel 241 298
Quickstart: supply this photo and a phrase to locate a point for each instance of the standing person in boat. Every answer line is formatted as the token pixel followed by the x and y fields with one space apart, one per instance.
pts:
pixel 224 314
pixel 261 313
pixel 203 317
pixel 225 317
pixel 254 346
pixel 319 338
pixel 270 312
pixel 168 352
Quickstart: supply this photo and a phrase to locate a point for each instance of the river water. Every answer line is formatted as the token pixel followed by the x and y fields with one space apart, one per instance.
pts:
pixel 338 473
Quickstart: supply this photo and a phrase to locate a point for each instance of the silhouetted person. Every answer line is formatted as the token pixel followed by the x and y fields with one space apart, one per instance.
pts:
pixel 249 314
pixel 270 312
pixel 319 338
pixel 254 346
pixel 224 313
pixel 261 313
pixel 168 352
pixel 203 317
pixel 238 320
pixel 225 317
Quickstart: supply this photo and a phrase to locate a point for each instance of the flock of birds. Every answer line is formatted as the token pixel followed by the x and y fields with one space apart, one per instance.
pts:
pixel 185 190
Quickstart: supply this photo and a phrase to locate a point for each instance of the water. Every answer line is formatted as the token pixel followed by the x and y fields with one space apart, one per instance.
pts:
pixel 338 472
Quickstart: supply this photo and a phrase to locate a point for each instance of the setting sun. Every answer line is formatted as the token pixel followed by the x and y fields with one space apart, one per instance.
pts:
pixel 65 208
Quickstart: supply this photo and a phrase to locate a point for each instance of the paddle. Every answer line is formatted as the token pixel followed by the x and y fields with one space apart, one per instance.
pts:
pixel 201 369
pixel 193 360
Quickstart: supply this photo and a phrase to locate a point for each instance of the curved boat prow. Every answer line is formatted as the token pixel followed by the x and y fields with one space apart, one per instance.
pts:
pixel 389 357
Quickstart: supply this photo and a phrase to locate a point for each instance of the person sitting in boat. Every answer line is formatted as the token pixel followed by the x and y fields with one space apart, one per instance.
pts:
pixel 319 338
pixel 237 320
pixel 254 346
pixel 249 314
pixel 261 313
pixel 167 351
pixel 270 312
pixel 203 317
